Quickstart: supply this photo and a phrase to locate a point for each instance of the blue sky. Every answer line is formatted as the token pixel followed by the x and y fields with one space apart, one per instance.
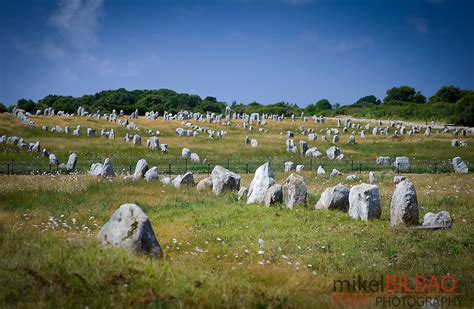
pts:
pixel 268 51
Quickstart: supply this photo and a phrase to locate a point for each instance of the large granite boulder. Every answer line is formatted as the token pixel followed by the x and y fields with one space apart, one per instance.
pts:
pixel 186 153
pixel 130 228
pixel 336 197
pixel 364 202
pixel 274 195
pixel 383 161
pixel 294 191
pixel 96 169
pixel 224 180
pixel 262 180
pixel 460 166
pixel 204 184
pixel 184 180
pixel 289 166
pixel 441 220
pixel 140 169
pixel 404 205
pixel 107 169
pixel 402 164
pixel 71 162
pixel 333 152
pixel 152 174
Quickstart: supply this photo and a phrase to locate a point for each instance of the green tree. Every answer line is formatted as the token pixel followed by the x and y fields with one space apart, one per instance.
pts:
pixel 3 108
pixel 323 104
pixel 366 101
pixel 27 105
pixel 449 94
pixel 404 94
pixel 464 111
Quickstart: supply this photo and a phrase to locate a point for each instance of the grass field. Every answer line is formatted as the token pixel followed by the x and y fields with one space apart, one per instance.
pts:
pixel 49 256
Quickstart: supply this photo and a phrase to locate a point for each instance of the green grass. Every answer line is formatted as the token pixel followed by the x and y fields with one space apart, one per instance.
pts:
pixel 66 267
pixel 210 243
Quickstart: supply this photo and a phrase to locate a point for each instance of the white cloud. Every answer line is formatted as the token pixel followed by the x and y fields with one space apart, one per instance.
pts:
pixel 78 21
pixel 419 24
pixel 51 51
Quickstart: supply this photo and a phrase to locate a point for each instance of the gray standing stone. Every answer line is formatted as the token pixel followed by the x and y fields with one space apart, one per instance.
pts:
pixel 402 163
pixel 71 162
pixel 53 160
pixel 242 193
pixel 186 153
pixel 195 158
pixel 382 161
pixel 129 228
pixel 336 197
pixel 320 171
pixel 299 168
pixel 152 174
pixel 224 180
pixel 274 195
pixel 137 140
pixel 364 202
pixel 294 191
pixel 262 180
pixel 153 143
pixel 186 179
pixel 441 220
pixel 335 173
pixel 90 132
pixel 254 143
pixel 140 169
pixel 107 169
pixel 404 205
pixel 289 166
pixel 333 152
pixel 303 147
pixel 96 169
pixel 204 184
pixel 371 177
pixel 460 166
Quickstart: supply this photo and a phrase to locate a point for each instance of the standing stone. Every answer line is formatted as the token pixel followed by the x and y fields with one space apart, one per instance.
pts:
pixel 140 169
pixel 186 153
pixel 242 193
pixel 137 140
pixel 290 146
pixel 254 143
pixel 441 220
pixel 335 139
pixel 404 205
pixel 333 152
pixel 371 177
pixel 53 160
pixel 90 132
pixel 303 147
pixel 129 228
pixel 382 161
pixel 335 173
pixel 289 166
pixel 224 180
pixel 107 169
pixel 352 140
pixel 152 174
pixel 96 169
pixel 294 191
pixel 204 184
pixel 299 168
pixel 364 202
pixel 274 195
pixel 262 180
pixel 398 179
pixel 164 148
pixel 320 171
pixel 153 143
pixel 402 163
pixel 336 197
pixel 460 166
pixel 71 162
pixel 195 158
pixel 186 179
pixel 312 137
pixel 112 134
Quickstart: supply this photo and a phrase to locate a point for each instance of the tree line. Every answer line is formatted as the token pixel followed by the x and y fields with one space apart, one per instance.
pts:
pixel 449 103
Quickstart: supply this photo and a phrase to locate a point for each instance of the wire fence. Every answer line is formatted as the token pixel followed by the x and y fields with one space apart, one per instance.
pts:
pixel 179 166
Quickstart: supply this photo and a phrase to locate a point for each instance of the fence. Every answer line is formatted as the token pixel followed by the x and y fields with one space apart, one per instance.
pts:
pixel 180 166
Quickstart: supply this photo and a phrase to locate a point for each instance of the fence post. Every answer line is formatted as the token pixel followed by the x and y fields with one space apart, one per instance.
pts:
pixel 436 166
pixel 12 166
pixel 398 168
pixel 169 169
pixel 57 166
pixel 352 165
pixel 247 168
pixel 360 167
pixel 186 165
pixel 310 164
pixel 208 169
pixel 8 169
